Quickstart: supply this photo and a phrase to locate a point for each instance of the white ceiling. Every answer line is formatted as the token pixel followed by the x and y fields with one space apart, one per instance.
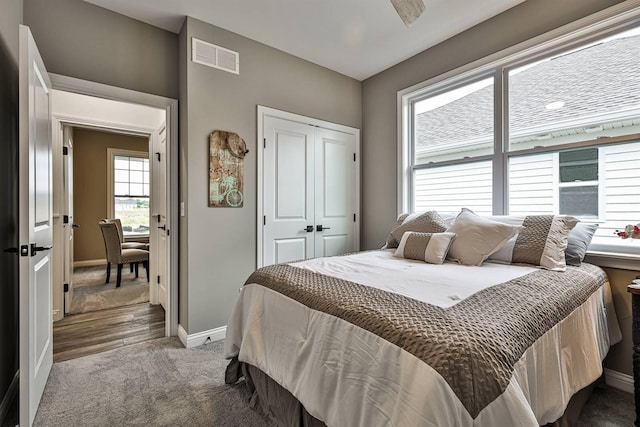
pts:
pixel 358 38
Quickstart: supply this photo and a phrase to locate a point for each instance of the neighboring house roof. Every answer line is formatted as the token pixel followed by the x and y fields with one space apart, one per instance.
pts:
pixel 593 81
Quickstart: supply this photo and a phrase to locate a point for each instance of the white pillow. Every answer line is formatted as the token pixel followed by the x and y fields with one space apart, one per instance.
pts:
pixel 427 247
pixel 477 237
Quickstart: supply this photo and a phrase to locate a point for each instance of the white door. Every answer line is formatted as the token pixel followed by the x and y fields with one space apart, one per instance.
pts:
pixel 160 233
pixel 309 191
pixel 288 191
pixel 335 192
pixel 68 223
pixel 36 228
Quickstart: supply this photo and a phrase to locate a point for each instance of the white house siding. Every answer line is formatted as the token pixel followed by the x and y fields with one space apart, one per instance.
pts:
pixel 449 188
pixel 531 184
pixel 620 168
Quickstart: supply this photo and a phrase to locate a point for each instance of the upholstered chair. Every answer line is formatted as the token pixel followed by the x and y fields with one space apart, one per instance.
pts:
pixel 117 255
pixel 127 245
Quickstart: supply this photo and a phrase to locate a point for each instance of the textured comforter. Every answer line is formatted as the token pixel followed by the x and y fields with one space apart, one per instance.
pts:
pixel 474 363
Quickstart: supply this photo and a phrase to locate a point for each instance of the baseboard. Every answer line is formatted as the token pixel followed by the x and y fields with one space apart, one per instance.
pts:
pixel 90 263
pixel 9 398
pixel 200 338
pixel 619 380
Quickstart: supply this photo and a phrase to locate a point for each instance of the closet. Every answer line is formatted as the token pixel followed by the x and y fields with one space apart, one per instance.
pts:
pixel 308 188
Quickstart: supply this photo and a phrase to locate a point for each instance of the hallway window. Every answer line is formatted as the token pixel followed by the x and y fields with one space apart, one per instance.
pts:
pixel 130 190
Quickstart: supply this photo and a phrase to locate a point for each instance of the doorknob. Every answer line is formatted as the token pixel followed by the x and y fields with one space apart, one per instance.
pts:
pixel 75 225
pixel 320 228
pixel 35 249
pixel 308 229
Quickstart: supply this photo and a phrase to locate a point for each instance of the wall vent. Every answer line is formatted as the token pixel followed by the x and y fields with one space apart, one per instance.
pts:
pixel 215 56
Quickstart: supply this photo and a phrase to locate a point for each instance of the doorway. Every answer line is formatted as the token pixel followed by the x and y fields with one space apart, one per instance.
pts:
pixel 83 108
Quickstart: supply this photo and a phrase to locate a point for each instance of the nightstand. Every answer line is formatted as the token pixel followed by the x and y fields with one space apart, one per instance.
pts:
pixel 635 332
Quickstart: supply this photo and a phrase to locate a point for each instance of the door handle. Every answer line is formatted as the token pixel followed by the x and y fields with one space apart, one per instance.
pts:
pixel 75 225
pixel 320 228
pixel 308 229
pixel 35 249
pixel 162 227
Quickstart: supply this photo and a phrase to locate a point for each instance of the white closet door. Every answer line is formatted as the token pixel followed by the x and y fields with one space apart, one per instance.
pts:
pixel 288 193
pixel 335 195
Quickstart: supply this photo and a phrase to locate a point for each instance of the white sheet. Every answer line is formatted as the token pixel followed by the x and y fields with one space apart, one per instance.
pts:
pixel 441 285
pixel 347 376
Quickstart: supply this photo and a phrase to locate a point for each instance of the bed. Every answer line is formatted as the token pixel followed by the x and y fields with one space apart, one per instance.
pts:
pixel 373 339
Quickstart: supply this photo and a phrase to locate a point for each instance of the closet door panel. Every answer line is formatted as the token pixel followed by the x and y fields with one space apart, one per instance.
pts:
pixel 334 192
pixel 288 191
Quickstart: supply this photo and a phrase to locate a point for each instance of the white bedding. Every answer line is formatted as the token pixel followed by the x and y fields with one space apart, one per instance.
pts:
pixel 345 375
pixel 442 285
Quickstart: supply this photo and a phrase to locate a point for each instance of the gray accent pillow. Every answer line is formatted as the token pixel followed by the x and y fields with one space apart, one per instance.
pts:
pixel 428 247
pixel 427 222
pixel 579 238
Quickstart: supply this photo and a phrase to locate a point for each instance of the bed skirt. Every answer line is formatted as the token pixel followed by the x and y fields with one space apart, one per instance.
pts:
pixel 281 408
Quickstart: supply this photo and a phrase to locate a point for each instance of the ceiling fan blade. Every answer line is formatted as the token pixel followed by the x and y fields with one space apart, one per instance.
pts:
pixel 409 10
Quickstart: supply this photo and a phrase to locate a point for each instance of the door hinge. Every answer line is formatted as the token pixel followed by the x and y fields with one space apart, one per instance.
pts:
pixel 66 287
pixel 354 157
pixel 265 142
pixel 65 151
pixel 65 219
pixel 264 220
pixel 158 154
pixel 158 279
pixel 354 217
pixel 167 232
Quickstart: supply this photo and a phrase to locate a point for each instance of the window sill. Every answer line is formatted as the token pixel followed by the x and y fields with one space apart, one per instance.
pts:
pixel 614 260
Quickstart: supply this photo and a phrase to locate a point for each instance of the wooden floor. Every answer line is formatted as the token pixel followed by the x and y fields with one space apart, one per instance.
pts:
pixel 79 335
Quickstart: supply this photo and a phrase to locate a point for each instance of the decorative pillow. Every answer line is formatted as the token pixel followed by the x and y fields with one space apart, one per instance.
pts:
pixel 428 247
pixel 541 242
pixel 427 222
pixel 578 242
pixel 391 241
pixel 477 237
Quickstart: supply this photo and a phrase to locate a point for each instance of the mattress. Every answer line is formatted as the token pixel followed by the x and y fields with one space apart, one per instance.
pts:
pixel 369 339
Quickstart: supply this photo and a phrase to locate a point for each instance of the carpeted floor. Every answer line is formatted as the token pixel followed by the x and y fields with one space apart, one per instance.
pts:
pixel 90 293
pixel 160 383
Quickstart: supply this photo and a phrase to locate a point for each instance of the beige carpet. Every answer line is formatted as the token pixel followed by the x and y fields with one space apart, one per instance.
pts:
pixel 90 293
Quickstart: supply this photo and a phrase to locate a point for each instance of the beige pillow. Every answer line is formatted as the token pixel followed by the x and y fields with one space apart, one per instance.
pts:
pixel 477 237
pixel 427 247
pixel 542 241
pixel 427 222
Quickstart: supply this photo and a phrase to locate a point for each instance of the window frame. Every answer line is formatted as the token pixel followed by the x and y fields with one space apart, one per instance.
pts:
pixel 580 33
pixel 111 155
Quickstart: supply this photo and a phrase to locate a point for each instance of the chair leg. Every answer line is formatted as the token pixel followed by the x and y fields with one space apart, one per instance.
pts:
pixel 108 272
pixel 146 267
pixel 131 267
pixel 119 277
pixel 136 270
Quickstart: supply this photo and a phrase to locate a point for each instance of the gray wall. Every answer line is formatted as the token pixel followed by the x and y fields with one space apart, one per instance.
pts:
pixel 10 18
pixel 379 125
pixel 221 242
pixel 85 41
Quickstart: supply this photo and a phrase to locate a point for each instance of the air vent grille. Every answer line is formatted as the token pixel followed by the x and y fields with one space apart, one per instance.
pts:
pixel 215 56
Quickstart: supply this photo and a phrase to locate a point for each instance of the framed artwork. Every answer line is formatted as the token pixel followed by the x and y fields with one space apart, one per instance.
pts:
pixel 226 169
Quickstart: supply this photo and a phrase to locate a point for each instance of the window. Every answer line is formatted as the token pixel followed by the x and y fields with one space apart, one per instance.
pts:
pixel 129 195
pixel 454 125
pixel 568 139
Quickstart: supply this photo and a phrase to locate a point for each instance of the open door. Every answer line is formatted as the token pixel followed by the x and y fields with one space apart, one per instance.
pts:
pixel 36 228
pixel 67 207
pixel 159 233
